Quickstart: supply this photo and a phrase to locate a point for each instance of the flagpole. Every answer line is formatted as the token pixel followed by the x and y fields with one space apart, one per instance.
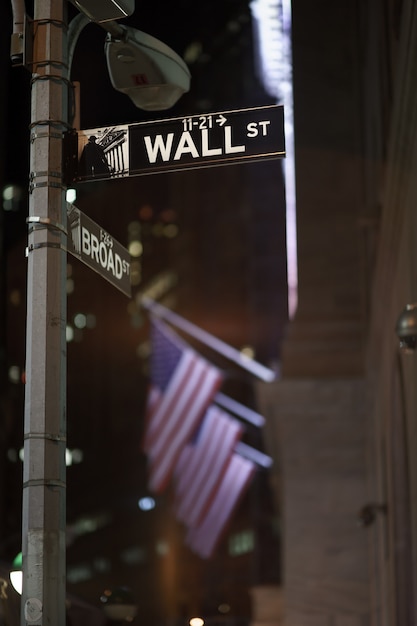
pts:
pixel 238 409
pixel 255 368
pixel 253 454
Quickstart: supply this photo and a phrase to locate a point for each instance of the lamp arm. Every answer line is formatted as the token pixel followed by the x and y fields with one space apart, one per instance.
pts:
pixel 75 28
pixel 19 13
pixel 77 25
pixel 17 37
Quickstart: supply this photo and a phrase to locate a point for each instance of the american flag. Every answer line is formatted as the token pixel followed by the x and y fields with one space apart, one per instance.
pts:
pixel 202 463
pixel 183 385
pixel 204 538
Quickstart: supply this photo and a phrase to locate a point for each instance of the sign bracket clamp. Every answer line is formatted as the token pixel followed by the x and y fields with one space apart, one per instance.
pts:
pixel 47 223
pixel 44 244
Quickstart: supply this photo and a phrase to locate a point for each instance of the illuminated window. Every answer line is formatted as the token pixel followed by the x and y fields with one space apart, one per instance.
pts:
pixel 102 564
pixel 162 548
pixel 15 375
pixel 146 503
pixel 79 573
pixel 133 555
pixel 71 195
pixel 241 543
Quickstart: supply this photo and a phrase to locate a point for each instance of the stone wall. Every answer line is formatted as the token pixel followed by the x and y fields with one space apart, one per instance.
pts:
pixel 321 430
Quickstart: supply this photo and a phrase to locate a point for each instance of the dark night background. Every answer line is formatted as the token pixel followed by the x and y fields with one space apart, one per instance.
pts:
pixel 219 234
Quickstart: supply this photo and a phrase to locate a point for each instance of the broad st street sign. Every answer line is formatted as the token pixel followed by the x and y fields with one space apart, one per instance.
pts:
pixel 96 248
pixel 180 143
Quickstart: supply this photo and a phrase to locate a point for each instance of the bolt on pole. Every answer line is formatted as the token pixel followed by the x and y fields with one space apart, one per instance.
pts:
pixel 44 473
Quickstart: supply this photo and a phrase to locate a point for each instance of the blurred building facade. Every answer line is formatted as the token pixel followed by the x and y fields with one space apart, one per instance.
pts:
pixel 342 419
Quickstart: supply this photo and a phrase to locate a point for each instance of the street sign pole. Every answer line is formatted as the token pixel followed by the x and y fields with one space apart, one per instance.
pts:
pixel 44 480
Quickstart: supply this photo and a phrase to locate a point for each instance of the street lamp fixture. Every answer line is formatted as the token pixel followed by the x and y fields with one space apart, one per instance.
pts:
pixel 145 69
pixel 105 10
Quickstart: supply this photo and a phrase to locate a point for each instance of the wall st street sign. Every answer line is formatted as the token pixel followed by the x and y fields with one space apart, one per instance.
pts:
pixel 96 248
pixel 222 138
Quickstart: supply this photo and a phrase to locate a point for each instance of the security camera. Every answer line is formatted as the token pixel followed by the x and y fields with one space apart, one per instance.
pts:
pixel 105 10
pixel 406 328
pixel 145 69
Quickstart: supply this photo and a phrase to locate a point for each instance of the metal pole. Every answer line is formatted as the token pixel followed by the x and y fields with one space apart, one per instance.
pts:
pixel 44 487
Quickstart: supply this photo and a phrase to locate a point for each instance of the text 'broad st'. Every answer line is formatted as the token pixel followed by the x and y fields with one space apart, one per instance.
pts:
pixel 179 143
pixel 96 248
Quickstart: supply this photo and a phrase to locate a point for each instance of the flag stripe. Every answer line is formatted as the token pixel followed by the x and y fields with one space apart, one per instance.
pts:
pixel 197 481
pixel 152 401
pixel 204 538
pixel 185 401
pixel 200 452
pixel 182 424
pixel 182 387
pixel 174 398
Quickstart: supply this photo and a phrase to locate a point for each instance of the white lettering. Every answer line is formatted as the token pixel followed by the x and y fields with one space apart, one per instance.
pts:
pixel 159 146
pixel 103 254
pixel 85 234
pixel 110 262
pixel 108 240
pixel 229 149
pixel 205 150
pixel 186 145
pixel 94 247
pixel 264 126
pixel 252 129
pixel 118 270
